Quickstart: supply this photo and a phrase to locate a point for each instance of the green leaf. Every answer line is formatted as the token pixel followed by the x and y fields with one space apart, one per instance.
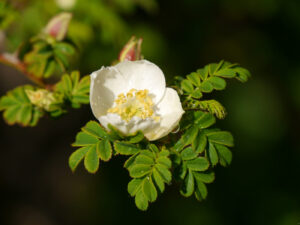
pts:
pixel 154 148
pixel 143 159
pixel 149 189
pixel 199 143
pixel 164 173
pixel 164 152
pixel 194 78
pixel 50 68
pixel 226 73
pixel 141 200
pixel 203 72
pixel 201 191
pixel 188 153
pixel 187 86
pixel 204 120
pixel 91 160
pixel 115 133
pixel 65 48
pixel 221 137
pixel 181 171
pixel 242 74
pixel 206 86
pixel 217 83
pixel 205 177
pixel 139 170
pixel 213 155
pixel 77 156
pixel 125 148
pixel 197 93
pixel 186 139
pixel 93 128
pixel 213 67
pixel 138 137
pixel 133 186
pixel 164 161
pixel 130 161
pixel 224 154
pixel 61 59
pixel 84 139
pixel 187 187
pixel 158 180
pixel 75 90
pixel 198 164
pixel 104 150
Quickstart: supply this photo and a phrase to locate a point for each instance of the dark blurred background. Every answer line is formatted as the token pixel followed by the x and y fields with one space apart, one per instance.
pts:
pixel 261 187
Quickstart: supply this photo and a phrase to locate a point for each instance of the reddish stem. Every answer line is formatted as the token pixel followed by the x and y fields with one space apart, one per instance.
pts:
pixel 22 68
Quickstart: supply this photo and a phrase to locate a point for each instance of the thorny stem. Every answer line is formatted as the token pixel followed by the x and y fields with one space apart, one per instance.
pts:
pixel 22 68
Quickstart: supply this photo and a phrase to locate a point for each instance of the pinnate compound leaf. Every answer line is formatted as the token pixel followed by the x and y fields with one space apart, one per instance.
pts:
pixel 95 143
pixel 18 109
pixel 150 171
pixel 75 90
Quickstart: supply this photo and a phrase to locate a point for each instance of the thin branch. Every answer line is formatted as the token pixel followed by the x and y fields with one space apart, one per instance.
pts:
pixel 22 68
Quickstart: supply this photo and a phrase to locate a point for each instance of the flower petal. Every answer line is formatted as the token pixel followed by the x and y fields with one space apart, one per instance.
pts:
pixel 106 84
pixel 170 112
pixel 142 75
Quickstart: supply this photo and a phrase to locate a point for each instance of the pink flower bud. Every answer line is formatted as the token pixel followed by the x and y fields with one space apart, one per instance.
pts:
pixel 58 26
pixel 132 50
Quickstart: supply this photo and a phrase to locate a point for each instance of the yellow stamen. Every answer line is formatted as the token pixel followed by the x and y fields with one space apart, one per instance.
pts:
pixel 134 103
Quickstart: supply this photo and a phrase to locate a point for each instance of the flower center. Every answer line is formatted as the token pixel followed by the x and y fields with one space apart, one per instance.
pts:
pixel 134 103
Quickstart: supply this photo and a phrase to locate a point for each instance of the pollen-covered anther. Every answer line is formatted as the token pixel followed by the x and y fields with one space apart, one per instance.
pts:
pixel 134 103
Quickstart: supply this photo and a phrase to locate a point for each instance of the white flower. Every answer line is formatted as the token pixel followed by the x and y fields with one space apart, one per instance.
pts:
pixel 132 96
pixel 65 4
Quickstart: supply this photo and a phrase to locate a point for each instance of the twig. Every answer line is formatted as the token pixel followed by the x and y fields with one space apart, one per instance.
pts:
pixel 22 68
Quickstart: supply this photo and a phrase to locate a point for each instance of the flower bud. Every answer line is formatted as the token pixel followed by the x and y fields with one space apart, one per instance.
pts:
pixel 132 50
pixel 41 98
pixel 65 4
pixel 58 26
